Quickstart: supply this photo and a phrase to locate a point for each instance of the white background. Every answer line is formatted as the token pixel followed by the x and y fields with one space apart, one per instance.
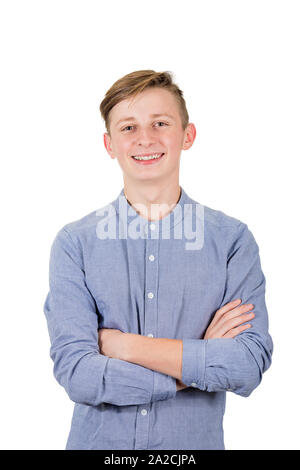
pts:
pixel 238 65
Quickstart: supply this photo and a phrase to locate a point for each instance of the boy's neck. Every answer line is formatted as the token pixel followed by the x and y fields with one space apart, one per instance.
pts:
pixel 153 202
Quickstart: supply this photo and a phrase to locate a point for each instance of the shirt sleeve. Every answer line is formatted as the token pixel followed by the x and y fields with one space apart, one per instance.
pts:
pixel 234 364
pixel 88 376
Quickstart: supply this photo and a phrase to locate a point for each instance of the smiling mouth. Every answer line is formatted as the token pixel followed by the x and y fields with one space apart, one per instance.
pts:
pixel 147 158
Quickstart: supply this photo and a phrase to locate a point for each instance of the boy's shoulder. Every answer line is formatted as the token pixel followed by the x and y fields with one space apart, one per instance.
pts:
pixel 89 221
pixel 216 217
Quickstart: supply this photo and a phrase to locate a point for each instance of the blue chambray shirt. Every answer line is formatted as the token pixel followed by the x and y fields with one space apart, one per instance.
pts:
pixel 165 279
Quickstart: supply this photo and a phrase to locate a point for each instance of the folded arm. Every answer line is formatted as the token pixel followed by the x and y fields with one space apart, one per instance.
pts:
pixel 160 354
pixel 219 364
pixel 88 376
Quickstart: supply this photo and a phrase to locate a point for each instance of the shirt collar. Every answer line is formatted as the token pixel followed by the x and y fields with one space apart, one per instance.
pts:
pixel 163 225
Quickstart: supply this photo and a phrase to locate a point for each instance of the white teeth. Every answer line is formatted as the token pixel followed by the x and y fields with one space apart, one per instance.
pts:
pixel 150 157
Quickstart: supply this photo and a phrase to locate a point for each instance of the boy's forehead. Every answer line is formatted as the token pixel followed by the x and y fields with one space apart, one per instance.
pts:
pixel 151 95
pixel 159 102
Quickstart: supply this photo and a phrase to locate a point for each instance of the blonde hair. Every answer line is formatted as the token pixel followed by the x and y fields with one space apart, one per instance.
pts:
pixel 134 83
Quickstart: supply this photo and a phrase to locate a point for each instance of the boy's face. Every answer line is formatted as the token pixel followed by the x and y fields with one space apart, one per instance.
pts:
pixel 145 134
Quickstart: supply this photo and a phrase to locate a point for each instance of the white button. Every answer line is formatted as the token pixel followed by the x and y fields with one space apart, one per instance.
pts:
pixel 151 257
pixel 150 335
pixel 152 226
pixel 150 295
pixel 144 412
pixel 193 384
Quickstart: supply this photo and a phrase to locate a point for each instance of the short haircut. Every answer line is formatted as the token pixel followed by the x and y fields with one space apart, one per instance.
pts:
pixel 134 83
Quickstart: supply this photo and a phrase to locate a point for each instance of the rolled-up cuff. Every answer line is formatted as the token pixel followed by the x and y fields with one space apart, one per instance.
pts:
pixel 193 362
pixel 164 387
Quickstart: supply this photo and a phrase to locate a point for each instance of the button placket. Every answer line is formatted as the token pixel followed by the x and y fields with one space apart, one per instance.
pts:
pixel 142 428
pixel 151 284
pixel 151 280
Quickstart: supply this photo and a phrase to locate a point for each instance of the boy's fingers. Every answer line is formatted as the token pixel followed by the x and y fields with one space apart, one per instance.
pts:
pixel 235 331
pixel 236 322
pixel 226 308
pixel 236 312
pixel 229 306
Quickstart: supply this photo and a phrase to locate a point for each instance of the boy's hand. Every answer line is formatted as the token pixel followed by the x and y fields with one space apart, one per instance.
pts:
pixel 227 319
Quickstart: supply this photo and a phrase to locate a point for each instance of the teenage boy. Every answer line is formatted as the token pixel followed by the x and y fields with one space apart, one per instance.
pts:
pixel 151 296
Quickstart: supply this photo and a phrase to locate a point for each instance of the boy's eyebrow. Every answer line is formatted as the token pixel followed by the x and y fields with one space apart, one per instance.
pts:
pixel 132 118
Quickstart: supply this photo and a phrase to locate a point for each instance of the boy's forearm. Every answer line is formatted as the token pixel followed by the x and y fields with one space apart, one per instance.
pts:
pixel 160 354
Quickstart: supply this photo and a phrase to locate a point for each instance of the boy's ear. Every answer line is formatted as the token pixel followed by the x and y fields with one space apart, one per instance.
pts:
pixel 107 144
pixel 190 135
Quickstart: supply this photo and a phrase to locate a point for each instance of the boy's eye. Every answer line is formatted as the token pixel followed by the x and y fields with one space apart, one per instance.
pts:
pixel 158 122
